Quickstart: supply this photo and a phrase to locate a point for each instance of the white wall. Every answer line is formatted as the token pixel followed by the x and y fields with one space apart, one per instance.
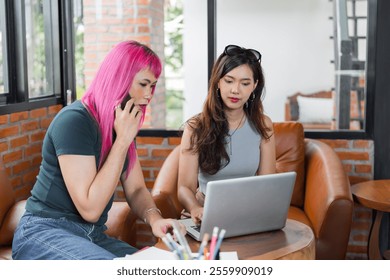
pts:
pixel 194 56
pixel 292 35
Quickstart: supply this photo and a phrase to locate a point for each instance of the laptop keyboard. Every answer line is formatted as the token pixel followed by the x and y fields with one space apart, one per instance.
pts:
pixel 197 228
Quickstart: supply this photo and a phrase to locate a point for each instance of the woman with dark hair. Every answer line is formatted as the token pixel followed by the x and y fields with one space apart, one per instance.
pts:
pixel 88 148
pixel 231 137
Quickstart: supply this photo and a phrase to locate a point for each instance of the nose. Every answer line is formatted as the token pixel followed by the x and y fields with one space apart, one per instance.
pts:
pixel 234 88
pixel 148 98
pixel 148 95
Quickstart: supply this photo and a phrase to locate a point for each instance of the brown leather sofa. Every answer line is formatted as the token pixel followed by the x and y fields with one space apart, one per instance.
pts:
pixel 121 221
pixel 321 199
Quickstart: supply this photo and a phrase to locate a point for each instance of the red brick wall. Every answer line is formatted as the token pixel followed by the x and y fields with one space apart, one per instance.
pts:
pixel 21 136
pixel 140 20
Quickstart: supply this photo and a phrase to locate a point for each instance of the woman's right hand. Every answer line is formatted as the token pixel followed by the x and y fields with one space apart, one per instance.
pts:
pixel 127 122
pixel 197 214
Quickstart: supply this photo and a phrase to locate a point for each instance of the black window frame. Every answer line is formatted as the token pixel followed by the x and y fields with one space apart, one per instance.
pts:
pixel 17 97
pixel 4 48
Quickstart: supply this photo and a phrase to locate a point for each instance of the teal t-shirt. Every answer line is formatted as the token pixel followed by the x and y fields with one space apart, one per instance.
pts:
pixel 73 131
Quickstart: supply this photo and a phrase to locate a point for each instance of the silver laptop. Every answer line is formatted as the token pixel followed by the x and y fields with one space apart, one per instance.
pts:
pixel 245 205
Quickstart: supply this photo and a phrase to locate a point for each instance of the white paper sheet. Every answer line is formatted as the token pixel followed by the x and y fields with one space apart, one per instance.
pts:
pixel 153 253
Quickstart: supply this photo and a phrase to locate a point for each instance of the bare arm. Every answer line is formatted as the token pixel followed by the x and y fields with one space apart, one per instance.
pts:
pixel 267 152
pixel 137 195
pixel 188 177
pixel 90 189
pixel 141 202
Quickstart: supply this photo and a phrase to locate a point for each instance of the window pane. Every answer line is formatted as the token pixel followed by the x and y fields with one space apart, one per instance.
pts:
pixel 78 21
pixel 3 53
pixel 99 25
pixel 42 43
pixel 173 62
pixel 306 77
pixel 35 40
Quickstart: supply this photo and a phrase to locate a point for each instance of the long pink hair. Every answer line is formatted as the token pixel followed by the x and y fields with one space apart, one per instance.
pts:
pixel 110 86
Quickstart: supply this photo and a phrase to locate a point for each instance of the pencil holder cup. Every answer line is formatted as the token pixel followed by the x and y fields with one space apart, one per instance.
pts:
pixel 195 256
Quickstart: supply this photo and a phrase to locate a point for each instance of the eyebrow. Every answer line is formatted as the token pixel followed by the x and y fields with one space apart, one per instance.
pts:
pixel 244 79
pixel 149 81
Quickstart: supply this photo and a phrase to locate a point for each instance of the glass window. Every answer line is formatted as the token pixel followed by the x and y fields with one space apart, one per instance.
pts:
pixel 99 25
pixel 79 47
pixel 3 53
pixel 173 62
pixel 35 41
pixel 42 53
pixel 315 73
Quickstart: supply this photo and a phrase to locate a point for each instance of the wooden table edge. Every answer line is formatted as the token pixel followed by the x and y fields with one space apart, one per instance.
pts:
pixel 304 249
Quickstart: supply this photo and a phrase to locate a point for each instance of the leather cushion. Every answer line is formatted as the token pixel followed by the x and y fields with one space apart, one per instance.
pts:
pixel 290 156
pixel 6 253
pixel 121 222
pixel 10 222
pixel 7 198
pixel 299 215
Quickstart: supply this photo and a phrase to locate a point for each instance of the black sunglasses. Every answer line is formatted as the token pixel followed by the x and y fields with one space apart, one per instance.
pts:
pixel 233 50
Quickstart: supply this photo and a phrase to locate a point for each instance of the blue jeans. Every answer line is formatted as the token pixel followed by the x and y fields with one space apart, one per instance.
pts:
pixel 61 239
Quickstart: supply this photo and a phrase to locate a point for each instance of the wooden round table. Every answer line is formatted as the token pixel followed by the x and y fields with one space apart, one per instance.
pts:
pixel 376 196
pixel 294 242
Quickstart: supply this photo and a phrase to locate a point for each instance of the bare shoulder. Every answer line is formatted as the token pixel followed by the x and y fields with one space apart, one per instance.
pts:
pixel 268 122
pixel 187 135
pixel 188 128
pixel 192 123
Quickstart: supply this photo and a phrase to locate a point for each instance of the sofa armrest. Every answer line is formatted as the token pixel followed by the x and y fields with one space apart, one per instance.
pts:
pixel 121 223
pixel 10 222
pixel 328 200
pixel 166 203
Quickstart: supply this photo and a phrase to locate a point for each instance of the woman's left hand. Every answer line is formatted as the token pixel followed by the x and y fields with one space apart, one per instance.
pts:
pixel 162 226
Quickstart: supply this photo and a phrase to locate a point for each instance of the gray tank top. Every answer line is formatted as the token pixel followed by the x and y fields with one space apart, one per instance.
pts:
pixel 244 153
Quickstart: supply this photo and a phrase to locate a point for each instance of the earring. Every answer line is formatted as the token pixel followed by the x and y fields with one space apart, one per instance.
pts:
pixel 219 93
pixel 252 97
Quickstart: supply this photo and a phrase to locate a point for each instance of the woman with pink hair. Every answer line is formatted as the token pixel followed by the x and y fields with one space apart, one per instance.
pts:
pixel 88 148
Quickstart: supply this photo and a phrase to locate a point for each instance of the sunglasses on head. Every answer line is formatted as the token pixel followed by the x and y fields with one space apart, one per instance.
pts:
pixel 233 50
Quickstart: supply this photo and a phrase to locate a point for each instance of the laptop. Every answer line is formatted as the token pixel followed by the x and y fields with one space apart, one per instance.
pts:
pixel 245 205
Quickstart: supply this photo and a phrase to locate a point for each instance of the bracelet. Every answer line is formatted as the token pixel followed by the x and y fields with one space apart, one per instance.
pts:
pixel 150 210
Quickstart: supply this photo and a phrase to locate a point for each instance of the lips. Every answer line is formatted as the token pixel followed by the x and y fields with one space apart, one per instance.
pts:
pixel 142 106
pixel 234 100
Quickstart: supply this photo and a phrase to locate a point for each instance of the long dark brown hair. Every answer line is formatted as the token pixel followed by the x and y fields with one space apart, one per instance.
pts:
pixel 211 127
